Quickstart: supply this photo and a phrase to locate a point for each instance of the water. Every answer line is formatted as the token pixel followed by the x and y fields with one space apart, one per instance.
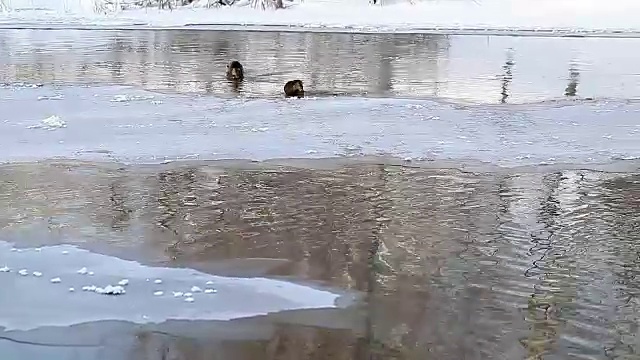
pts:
pixel 452 264
pixel 441 197
pixel 470 69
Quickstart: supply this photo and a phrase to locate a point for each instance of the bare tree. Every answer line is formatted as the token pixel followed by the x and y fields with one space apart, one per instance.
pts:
pixel 267 4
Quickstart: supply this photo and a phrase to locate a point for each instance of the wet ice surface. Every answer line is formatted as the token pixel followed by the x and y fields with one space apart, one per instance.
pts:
pixel 131 125
pixel 235 297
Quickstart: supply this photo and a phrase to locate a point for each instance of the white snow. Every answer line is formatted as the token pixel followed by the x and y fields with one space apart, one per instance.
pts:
pixel 50 123
pixel 110 290
pixel 355 15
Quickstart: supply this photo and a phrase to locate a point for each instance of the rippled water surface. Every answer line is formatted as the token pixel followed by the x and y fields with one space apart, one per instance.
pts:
pixel 486 69
pixel 452 265
pixel 481 231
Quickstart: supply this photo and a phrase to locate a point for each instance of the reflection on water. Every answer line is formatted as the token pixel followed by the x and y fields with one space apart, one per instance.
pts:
pixel 468 68
pixel 454 265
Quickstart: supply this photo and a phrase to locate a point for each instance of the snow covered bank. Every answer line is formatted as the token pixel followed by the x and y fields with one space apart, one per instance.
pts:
pixel 359 15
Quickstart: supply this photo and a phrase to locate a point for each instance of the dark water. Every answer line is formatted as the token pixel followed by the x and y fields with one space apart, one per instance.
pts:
pixel 487 69
pixel 452 265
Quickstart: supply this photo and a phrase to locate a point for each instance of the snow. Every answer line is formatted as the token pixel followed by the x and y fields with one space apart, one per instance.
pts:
pixel 356 15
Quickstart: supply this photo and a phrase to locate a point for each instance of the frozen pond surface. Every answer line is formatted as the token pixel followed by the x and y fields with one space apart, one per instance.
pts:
pixel 153 295
pixel 130 125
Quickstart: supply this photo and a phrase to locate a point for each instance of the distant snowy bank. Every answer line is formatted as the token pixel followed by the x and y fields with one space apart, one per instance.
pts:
pixel 356 15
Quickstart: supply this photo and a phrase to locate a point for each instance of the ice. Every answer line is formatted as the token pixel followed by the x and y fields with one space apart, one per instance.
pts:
pixel 37 274
pixel 82 271
pixel 237 297
pixel 158 293
pixel 23 272
pixel 123 282
pixel 195 289
pixel 56 280
pixel 51 123
pixel 210 291
pixel 110 290
pixel 157 281
pixel 507 136
pixel 4 269
pixel 53 97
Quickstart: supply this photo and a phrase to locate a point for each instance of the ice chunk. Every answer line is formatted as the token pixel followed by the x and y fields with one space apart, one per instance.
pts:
pixel 56 280
pixel 52 122
pixel 111 290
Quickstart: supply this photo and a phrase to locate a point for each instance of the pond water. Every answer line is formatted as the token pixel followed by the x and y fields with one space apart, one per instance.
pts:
pixel 485 69
pixel 445 197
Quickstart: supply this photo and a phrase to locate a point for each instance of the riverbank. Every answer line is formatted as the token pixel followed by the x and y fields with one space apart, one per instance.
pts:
pixel 546 16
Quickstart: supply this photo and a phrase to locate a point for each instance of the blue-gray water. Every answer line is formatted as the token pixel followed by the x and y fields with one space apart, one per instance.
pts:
pixel 463 197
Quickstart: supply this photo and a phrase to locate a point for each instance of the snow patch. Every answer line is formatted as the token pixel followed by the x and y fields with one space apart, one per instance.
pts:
pixel 350 15
pixel 51 123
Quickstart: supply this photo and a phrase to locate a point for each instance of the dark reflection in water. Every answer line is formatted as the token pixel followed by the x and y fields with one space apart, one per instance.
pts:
pixel 572 87
pixel 454 265
pixel 467 68
pixel 507 77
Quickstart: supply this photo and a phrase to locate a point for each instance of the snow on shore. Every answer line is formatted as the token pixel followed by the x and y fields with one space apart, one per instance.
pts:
pixel 360 15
